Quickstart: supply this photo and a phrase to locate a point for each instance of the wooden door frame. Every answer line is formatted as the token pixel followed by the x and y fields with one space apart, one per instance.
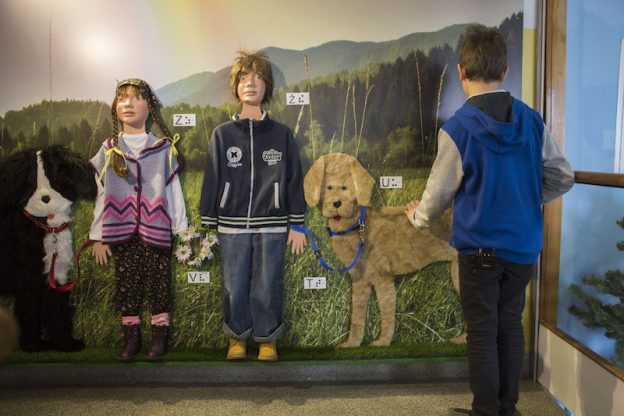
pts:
pixel 554 117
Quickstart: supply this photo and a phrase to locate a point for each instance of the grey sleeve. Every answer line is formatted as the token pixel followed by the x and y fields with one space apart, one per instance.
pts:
pixel 444 180
pixel 557 174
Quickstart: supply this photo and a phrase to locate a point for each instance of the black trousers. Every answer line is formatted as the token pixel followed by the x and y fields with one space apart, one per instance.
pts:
pixel 141 269
pixel 492 299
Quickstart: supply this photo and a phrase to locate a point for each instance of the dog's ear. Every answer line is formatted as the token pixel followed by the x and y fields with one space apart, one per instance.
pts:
pixel 363 182
pixel 69 173
pixel 18 180
pixel 313 182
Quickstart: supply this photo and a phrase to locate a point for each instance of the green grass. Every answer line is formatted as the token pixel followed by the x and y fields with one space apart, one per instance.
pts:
pixel 96 355
pixel 428 312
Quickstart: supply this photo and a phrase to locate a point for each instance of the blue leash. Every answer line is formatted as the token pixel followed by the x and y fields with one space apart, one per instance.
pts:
pixel 359 225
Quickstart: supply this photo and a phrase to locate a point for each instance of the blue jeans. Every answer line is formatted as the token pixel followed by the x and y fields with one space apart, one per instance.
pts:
pixel 252 288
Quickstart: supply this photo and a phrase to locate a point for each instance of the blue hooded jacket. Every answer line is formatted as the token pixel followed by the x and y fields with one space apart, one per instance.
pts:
pixel 498 204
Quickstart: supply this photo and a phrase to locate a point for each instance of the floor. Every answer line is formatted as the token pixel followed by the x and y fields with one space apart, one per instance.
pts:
pixel 426 399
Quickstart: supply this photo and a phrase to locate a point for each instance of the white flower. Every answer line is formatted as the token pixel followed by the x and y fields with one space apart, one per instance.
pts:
pixel 183 253
pixel 187 235
pixel 211 240
pixel 195 262
pixel 205 253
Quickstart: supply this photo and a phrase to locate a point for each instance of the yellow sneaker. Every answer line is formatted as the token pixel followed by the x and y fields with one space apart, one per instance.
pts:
pixel 268 352
pixel 237 350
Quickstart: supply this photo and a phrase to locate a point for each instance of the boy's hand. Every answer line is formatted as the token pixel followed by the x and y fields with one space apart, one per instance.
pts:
pixel 101 252
pixel 297 241
pixel 410 208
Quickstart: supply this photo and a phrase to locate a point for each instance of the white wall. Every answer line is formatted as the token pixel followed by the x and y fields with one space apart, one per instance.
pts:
pixel 583 386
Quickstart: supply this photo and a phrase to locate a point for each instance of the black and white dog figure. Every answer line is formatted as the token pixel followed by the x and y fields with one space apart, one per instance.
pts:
pixel 37 191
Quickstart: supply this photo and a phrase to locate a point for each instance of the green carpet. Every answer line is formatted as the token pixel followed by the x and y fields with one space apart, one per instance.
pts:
pixel 422 352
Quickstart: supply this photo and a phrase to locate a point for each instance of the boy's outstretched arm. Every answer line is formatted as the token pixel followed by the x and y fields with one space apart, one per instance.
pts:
pixel 557 174
pixel 444 180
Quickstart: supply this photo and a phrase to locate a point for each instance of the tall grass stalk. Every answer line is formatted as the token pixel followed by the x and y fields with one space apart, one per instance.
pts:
pixel 50 104
pixel 368 91
pixel 344 117
pixel 206 134
pixel 331 142
pixel 98 125
pixel 355 129
pixel 306 64
pixel 420 112
pixel 297 124
pixel 435 130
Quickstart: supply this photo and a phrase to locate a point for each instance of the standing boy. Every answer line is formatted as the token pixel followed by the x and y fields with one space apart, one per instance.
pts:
pixel 252 192
pixel 498 163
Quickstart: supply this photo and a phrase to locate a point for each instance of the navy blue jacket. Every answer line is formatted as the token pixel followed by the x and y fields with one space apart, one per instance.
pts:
pixel 253 176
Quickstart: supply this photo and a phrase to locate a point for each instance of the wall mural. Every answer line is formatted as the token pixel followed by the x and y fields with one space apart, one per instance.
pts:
pixel 381 81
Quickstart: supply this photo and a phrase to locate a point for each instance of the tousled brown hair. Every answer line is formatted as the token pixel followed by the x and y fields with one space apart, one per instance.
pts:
pixel 483 53
pixel 257 62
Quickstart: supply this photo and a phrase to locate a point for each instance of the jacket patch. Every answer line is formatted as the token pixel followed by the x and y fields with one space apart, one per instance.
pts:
pixel 234 155
pixel 272 156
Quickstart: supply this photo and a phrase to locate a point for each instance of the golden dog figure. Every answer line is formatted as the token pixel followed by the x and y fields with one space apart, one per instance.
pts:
pixel 393 246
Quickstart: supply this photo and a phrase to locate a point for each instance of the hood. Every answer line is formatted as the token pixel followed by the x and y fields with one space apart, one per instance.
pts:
pixel 497 136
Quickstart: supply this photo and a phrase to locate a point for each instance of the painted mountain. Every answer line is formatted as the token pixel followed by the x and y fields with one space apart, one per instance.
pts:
pixel 383 102
pixel 212 87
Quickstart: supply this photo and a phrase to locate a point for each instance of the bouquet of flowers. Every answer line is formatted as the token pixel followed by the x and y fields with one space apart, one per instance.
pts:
pixel 184 252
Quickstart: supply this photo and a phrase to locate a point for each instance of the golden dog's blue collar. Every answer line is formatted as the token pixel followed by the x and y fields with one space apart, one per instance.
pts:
pixel 359 225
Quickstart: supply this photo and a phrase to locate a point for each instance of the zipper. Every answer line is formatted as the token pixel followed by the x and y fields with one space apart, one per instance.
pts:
pixel 251 186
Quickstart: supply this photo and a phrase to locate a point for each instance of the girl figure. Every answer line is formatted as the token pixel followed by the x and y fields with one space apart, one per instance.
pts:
pixel 138 210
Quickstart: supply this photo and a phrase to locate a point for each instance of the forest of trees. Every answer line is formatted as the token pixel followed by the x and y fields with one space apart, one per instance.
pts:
pixel 386 114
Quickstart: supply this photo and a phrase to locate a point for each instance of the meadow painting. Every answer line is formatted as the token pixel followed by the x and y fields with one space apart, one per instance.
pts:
pixel 380 99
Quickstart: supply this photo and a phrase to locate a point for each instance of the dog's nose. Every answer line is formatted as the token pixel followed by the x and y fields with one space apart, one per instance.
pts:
pixel 45 199
pixel 337 204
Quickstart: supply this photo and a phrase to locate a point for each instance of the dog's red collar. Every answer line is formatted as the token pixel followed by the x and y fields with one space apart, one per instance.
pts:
pixel 54 231
pixel 46 227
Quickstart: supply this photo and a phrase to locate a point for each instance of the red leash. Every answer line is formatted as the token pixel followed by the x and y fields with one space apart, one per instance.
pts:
pixel 55 230
pixel 69 286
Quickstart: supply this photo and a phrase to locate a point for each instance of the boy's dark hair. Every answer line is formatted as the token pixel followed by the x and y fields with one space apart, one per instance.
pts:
pixel 256 62
pixel 483 53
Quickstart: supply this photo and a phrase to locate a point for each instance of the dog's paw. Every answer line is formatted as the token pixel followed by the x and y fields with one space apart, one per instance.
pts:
pixel 349 344
pixel 459 339
pixel 380 343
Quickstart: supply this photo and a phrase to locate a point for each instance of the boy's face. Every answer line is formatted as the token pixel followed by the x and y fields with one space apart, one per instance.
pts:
pixel 251 88
pixel 132 109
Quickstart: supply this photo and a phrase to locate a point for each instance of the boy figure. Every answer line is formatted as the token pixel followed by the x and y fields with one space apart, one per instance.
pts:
pixel 252 192
pixel 498 163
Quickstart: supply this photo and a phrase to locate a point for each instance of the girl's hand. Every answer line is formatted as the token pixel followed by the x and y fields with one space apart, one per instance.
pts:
pixel 101 252
pixel 297 241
